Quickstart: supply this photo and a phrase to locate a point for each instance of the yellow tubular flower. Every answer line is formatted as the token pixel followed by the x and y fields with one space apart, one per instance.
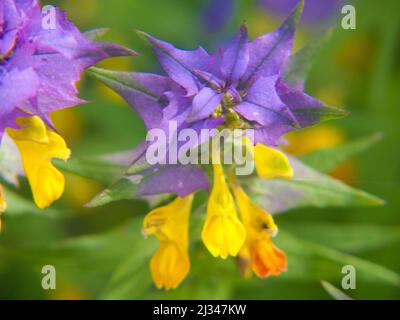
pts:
pixel 170 224
pixel 264 257
pixel 3 204
pixel 271 163
pixel 37 145
pixel 223 234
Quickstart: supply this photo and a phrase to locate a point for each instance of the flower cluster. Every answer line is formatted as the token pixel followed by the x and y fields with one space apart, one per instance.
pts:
pixel 224 234
pixel 241 86
pixel 39 68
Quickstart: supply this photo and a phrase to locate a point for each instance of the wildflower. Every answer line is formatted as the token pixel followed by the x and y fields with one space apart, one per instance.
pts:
pixel 241 86
pixel 265 258
pixel 34 81
pixel 244 80
pixel 170 224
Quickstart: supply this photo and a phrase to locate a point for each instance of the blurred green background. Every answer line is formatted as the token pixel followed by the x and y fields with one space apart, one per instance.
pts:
pixel 101 254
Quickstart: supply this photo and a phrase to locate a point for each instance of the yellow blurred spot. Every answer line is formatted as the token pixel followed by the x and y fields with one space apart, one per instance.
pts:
pixel 332 95
pixel 3 203
pixel 311 139
pixel 357 54
pixel 80 189
pixel 37 146
pixel 170 224
pixel 223 234
pixel 79 14
pixel 260 23
pixel 346 172
pixel 68 291
pixel 69 123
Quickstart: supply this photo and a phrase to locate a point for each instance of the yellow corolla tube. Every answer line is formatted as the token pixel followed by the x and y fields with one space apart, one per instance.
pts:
pixel 170 224
pixel 38 145
pixel 223 234
pixel 3 203
pixel 271 163
pixel 264 257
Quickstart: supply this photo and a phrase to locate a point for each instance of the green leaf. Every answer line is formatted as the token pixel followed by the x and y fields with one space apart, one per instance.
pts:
pixel 132 277
pixel 347 237
pixel 95 34
pixel 328 159
pixel 92 169
pixel 334 292
pixel 17 204
pixel 365 268
pixel 308 188
pixel 123 189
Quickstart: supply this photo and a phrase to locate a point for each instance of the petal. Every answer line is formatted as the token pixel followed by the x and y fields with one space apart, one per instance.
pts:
pixel 223 234
pixel 269 52
pixel 256 220
pixel 170 222
pixel 263 105
pixel 270 136
pixel 204 104
pixel 236 58
pixel 180 64
pixel 267 259
pixel 272 163
pixel 46 181
pixel 169 266
pixel 16 87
